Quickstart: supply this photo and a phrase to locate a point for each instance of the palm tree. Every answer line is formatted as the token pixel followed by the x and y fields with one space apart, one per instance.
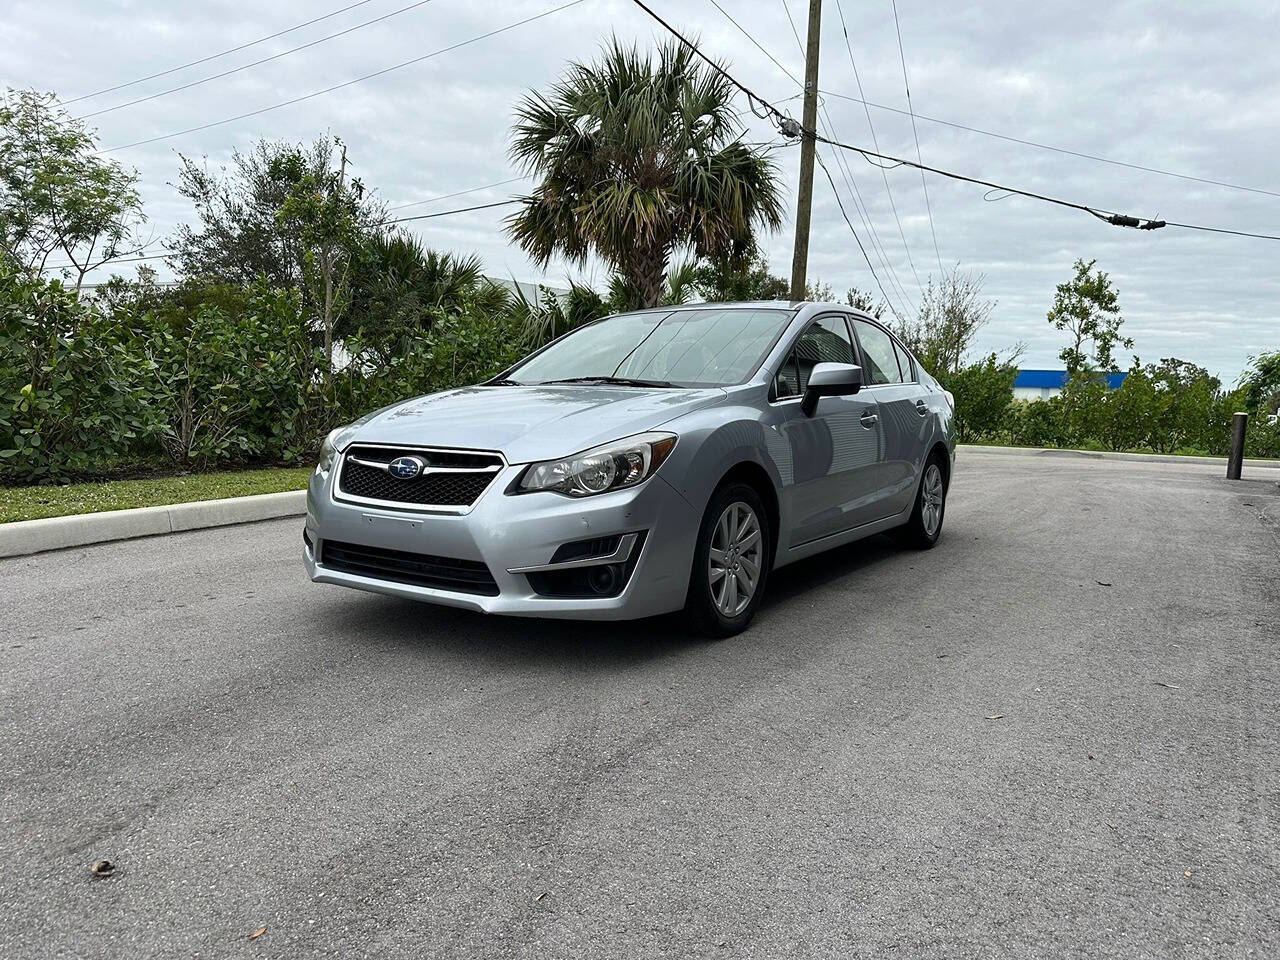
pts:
pixel 639 160
pixel 401 286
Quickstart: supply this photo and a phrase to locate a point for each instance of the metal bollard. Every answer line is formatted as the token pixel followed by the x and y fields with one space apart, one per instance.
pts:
pixel 1235 459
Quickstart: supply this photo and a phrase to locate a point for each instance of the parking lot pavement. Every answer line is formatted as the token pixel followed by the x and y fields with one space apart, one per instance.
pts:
pixel 1054 735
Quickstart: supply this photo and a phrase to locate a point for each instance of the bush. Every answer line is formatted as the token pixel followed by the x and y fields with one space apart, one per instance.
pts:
pixel 75 396
pixel 984 394
pixel 233 376
pixel 1037 424
pixel 459 349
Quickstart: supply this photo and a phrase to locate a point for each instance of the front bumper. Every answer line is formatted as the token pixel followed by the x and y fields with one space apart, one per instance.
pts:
pixel 511 532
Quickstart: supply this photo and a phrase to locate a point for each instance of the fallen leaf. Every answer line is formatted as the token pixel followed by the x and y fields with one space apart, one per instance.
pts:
pixel 996 716
pixel 1171 686
pixel 257 933
pixel 102 868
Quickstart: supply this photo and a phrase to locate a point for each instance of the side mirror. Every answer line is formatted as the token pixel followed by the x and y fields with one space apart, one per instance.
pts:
pixel 830 380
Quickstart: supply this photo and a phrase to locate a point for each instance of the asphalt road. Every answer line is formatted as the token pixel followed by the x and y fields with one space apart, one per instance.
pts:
pixel 1057 734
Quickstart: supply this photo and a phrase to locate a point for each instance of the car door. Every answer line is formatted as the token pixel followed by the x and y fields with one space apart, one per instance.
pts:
pixel 891 379
pixel 836 454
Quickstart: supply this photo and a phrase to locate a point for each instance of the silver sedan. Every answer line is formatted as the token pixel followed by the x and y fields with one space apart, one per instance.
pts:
pixel 645 463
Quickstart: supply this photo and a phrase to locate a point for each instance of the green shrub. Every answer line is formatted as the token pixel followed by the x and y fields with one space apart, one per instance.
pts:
pixel 458 350
pixel 75 396
pixel 1037 424
pixel 233 376
pixel 984 394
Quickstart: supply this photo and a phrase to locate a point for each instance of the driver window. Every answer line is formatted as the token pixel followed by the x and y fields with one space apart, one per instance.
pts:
pixel 825 341
pixel 877 347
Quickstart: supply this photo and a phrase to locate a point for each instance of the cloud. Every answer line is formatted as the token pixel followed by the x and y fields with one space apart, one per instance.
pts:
pixel 1189 88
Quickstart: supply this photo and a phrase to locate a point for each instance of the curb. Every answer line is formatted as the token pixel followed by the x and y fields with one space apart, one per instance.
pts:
pixel 1109 455
pixel 57 533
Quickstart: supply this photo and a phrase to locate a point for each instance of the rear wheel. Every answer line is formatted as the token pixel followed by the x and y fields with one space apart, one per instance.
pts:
pixel 925 526
pixel 730 562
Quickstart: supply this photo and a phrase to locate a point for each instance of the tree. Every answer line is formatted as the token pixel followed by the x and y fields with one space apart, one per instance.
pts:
pixel 865 302
pixel 58 195
pixel 739 279
pixel 323 211
pixel 637 160
pixel 1262 383
pixel 400 288
pixel 952 311
pixel 240 235
pixel 1088 308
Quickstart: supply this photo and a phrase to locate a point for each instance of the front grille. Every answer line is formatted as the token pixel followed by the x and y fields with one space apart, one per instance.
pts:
pixel 418 569
pixel 463 475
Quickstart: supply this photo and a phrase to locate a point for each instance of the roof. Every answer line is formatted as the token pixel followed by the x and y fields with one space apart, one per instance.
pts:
pixel 1057 379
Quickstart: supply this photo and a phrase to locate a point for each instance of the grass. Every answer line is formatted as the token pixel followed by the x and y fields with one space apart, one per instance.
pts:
pixel 34 503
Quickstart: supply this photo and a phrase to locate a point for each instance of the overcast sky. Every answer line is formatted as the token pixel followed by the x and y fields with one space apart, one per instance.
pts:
pixel 1187 88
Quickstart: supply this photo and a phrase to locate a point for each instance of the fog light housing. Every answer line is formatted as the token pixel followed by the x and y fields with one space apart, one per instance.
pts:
pixel 586 581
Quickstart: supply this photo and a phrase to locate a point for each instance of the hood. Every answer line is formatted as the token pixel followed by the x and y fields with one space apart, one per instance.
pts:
pixel 530 423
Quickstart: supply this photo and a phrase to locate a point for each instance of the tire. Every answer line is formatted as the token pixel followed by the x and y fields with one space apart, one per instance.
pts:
pixel 713 606
pixel 925 526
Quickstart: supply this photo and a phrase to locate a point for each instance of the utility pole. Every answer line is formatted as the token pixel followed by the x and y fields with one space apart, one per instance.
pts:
pixel 804 201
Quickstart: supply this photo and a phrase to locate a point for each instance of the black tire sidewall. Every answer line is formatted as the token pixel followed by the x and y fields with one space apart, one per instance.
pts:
pixel 699 606
pixel 919 536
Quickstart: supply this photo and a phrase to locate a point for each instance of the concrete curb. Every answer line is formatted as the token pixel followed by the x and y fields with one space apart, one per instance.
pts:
pixel 1108 455
pixel 57 533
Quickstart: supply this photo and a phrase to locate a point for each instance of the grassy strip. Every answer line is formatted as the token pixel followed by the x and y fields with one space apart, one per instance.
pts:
pixel 34 503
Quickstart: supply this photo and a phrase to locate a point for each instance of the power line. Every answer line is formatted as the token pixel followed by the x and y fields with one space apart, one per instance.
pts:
pixel 751 94
pixel 859 204
pixel 347 83
pixel 1107 216
pixel 424 216
pixel 215 56
pixel 449 213
pixel 1051 147
pixel 789 127
pixel 876 143
pixel 460 193
pixel 879 247
pixel 69 266
pixel 916 136
pixel 840 204
pixel 777 63
pixel 255 63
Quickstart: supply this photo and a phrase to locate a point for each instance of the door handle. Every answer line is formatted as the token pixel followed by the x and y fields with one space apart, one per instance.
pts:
pixel 922 408
pixel 869 419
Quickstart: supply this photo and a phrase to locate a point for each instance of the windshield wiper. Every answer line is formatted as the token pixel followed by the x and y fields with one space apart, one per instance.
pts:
pixel 614 381
pixel 504 383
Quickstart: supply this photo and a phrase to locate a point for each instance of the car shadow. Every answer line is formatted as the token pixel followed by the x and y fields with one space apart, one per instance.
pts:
pixel 380 620
pixel 450 631
pixel 795 580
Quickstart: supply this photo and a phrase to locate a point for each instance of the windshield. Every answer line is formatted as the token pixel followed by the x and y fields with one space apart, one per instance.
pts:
pixel 685 348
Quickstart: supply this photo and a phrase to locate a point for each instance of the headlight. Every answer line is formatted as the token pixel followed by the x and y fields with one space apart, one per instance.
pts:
pixel 612 466
pixel 333 443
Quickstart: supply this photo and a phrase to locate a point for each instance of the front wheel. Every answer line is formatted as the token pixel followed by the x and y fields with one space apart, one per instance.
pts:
pixel 730 563
pixel 925 526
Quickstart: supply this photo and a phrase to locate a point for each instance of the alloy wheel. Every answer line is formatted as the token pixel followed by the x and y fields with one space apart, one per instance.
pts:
pixel 931 494
pixel 734 559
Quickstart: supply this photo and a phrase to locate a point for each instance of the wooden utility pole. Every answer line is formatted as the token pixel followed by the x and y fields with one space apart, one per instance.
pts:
pixel 804 200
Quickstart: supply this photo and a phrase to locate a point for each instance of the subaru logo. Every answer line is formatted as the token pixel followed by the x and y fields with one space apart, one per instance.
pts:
pixel 405 468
